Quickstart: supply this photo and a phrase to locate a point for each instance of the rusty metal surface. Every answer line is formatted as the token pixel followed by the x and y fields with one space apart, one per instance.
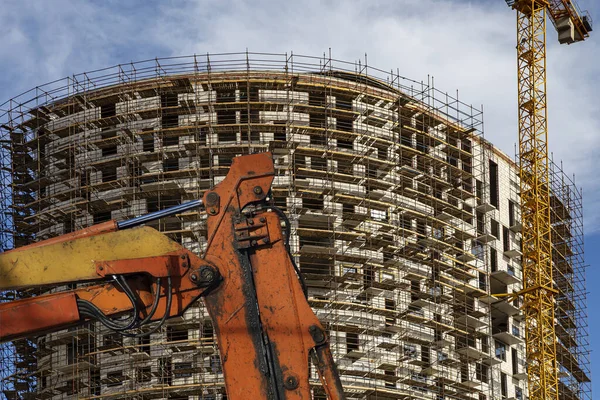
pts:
pixel 260 314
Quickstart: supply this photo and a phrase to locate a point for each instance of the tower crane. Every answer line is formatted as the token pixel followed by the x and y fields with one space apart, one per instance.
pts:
pixel 538 292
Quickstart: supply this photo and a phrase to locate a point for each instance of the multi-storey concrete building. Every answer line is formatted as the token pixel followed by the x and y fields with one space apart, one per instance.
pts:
pixel 405 223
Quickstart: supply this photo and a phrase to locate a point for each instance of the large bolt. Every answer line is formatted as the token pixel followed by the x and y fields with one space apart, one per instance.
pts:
pixel 258 190
pixel 317 334
pixel 291 382
pixel 207 274
pixel 212 198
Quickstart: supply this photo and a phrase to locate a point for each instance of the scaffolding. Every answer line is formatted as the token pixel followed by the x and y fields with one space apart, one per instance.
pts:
pixel 569 275
pixel 388 184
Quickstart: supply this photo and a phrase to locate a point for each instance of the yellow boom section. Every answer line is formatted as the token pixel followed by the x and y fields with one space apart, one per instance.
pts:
pixel 538 291
pixel 75 261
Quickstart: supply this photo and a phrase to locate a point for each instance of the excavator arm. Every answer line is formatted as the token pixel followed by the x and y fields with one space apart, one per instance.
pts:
pixel 265 328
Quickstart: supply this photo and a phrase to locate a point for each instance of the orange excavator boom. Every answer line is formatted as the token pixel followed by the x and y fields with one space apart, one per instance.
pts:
pixel 266 331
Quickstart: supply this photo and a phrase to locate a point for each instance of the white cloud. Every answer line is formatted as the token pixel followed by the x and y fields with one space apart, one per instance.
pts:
pixel 465 45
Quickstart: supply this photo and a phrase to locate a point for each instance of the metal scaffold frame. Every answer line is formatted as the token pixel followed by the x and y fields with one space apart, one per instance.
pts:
pixel 569 278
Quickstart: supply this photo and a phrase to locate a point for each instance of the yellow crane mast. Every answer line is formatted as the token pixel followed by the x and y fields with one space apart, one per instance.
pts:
pixel 538 291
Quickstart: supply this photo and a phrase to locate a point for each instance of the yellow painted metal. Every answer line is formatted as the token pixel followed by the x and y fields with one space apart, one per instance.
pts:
pixel 538 292
pixel 74 261
pixel 538 304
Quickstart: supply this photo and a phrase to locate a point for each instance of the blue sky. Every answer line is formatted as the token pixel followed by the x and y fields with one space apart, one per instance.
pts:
pixel 465 45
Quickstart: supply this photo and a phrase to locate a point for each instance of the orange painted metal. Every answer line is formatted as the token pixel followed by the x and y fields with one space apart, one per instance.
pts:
pixel 159 266
pixel 285 314
pixel 55 311
pixel 26 317
pixel 262 320
pixel 235 319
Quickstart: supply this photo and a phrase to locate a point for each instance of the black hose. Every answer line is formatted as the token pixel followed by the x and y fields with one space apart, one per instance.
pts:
pixel 154 304
pixel 127 289
pixel 88 309
pixel 163 318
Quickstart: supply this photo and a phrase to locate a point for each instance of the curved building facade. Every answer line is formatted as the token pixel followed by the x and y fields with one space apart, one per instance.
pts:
pixel 405 222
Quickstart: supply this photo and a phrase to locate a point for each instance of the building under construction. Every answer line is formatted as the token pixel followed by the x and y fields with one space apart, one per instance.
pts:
pixel 405 223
